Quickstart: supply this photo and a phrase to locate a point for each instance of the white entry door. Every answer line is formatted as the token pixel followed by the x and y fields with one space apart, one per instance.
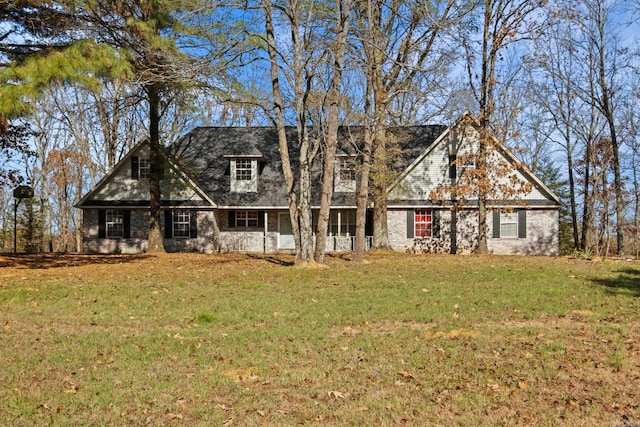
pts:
pixel 285 232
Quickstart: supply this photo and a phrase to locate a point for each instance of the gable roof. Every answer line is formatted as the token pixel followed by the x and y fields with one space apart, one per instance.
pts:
pixel 89 199
pixel 202 157
pixel 468 117
pixel 205 152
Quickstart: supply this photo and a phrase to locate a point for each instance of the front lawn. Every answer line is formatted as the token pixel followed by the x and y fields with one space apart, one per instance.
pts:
pixel 247 340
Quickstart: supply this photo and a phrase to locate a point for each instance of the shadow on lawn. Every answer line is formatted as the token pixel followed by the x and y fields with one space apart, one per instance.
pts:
pixel 289 260
pixel 272 259
pixel 628 278
pixel 49 260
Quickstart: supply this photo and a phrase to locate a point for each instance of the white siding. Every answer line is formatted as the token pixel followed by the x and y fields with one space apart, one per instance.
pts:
pixel 121 186
pixel 432 172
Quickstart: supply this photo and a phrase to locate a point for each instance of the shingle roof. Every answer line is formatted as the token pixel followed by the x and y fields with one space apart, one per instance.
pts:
pixel 205 153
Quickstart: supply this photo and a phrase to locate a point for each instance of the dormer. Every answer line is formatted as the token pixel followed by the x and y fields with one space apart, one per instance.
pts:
pixel 244 173
pixel 345 174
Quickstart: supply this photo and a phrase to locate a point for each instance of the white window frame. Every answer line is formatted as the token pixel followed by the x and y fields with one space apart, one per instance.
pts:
pixel 471 163
pixel 244 175
pixel 181 224
pixel 509 225
pixel 345 174
pixel 114 223
pixel 425 226
pixel 244 169
pixel 144 167
pixel 347 169
pixel 247 219
pixel 342 222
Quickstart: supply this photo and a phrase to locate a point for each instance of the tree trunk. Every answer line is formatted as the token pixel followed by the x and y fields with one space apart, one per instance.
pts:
pixel 572 191
pixel 380 183
pixel 342 28
pixel 305 250
pixel 487 85
pixel 363 197
pixel 156 243
pixel 327 191
pixel 481 163
pixel 586 239
pixel 636 188
pixel 283 146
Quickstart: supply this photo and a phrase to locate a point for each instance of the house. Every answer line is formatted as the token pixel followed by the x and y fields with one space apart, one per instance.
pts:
pixel 223 190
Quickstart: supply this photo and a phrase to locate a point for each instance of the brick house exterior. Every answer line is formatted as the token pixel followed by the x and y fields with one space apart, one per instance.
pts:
pixel 222 190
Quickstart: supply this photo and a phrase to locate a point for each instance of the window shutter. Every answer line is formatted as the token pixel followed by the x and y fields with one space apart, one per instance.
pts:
pixel 126 222
pixel 102 223
pixel 193 224
pixel 368 223
pixel 134 167
pixel 260 218
pixel 232 218
pixel 410 223
pixel 496 224
pixel 168 224
pixel 452 167
pixel 435 223
pixel 522 224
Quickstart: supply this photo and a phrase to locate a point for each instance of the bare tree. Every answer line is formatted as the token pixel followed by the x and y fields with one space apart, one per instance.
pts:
pixel 609 58
pixel 505 22
pixel 336 53
pixel 556 76
pixel 299 76
pixel 397 45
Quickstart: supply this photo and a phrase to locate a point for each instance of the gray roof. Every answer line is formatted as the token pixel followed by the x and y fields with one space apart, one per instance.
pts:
pixel 204 153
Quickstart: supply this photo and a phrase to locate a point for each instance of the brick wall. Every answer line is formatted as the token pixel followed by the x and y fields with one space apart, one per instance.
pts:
pixel 137 243
pixel 248 239
pixel 542 234
pixel 205 241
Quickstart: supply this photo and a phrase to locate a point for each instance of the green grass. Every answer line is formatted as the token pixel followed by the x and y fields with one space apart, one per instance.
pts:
pixel 188 339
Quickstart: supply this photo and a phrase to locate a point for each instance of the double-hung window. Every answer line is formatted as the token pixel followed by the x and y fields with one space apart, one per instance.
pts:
pixel 244 170
pixel 246 219
pixel 345 175
pixel 114 223
pixel 181 224
pixel 469 163
pixel 144 167
pixel 140 167
pixel 509 224
pixel 342 223
pixel 244 175
pixel 347 169
pixel 423 221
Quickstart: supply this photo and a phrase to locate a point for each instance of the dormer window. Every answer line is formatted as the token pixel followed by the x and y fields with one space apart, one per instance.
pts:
pixel 243 170
pixel 244 175
pixel 347 169
pixel 345 177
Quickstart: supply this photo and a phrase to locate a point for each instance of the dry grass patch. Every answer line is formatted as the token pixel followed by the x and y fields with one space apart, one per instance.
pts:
pixel 187 339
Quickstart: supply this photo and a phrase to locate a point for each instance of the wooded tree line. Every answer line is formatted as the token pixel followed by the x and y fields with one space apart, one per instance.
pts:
pixel 81 82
